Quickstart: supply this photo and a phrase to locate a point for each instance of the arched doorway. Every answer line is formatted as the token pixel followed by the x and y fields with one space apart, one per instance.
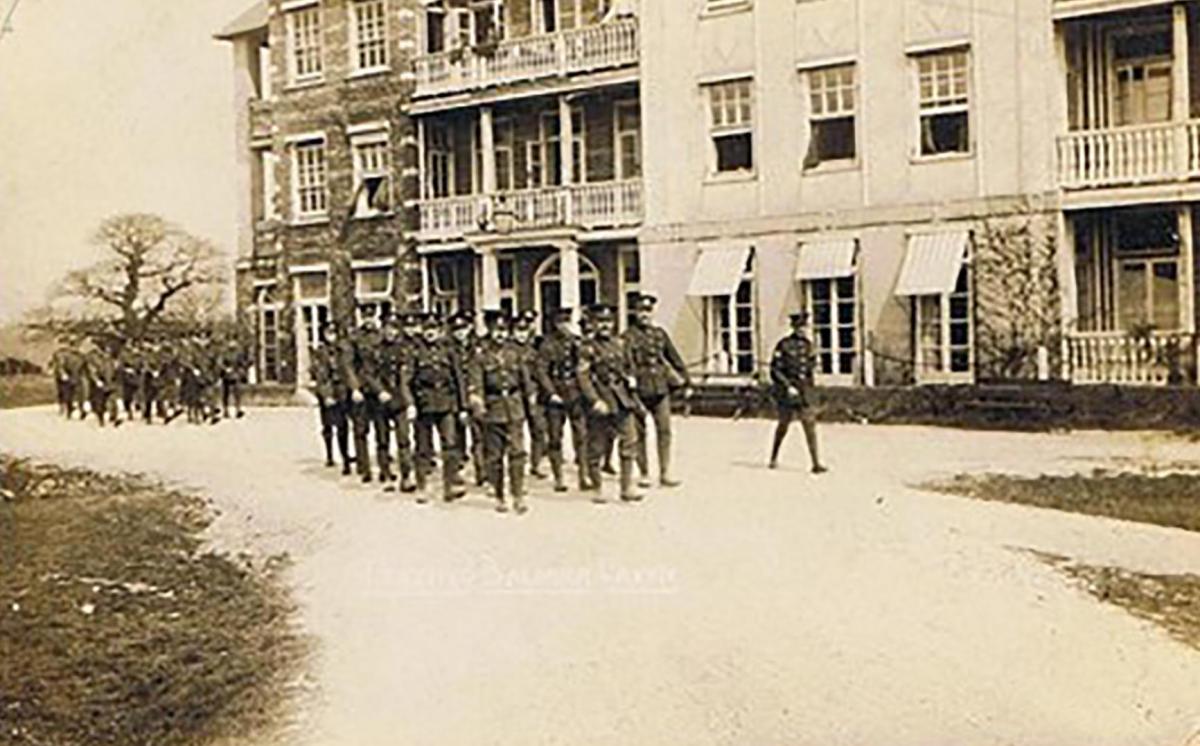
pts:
pixel 548 283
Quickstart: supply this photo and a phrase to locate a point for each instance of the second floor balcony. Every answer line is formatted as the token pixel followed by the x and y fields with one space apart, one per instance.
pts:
pixel 1130 155
pixel 610 45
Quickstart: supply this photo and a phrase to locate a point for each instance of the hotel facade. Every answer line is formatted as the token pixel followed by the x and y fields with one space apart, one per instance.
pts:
pixel 957 191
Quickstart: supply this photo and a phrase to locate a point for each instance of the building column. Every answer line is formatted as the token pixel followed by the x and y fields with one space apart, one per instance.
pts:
pixel 489 279
pixel 1181 100
pixel 422 162
pixel 1187 270
pixel 1068 297
pixel 568 274
pixel 487 146
pixel 566 137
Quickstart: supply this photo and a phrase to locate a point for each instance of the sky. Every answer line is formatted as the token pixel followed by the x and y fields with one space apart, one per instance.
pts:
pixel 110 107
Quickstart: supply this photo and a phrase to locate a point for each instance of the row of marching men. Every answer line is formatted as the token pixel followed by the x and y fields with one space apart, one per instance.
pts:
pixel 199 377
pixel 484 395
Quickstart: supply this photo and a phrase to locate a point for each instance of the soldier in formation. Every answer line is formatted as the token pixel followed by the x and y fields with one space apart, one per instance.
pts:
pixel 657 370
pixel 332 390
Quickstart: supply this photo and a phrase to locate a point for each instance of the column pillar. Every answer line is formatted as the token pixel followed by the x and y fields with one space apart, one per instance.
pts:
pixel 487 146
pixel 568 273
pixel 1180 89
pixel 1187 270
pixel 422 162
pixel 566 137
pixel 1068 298
pixel 489 279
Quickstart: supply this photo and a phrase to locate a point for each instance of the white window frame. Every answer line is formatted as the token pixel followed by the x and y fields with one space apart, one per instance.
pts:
pixel 504 148
pixel 368 21
pixel 1148 262
pixel 717 366
pixel 543 156
pixel 443 299
pixel 730 111
pixel 951 101
pixel 822 83
pixel 837 377
pixel 265 303
pixel 926 372
pixel 626 140
pixel 305 46
pixel 376 139
pixel 508 291
pixel 314 309
pixel 440 155
pixel 627 286
pixel 376 303
pixel 310 181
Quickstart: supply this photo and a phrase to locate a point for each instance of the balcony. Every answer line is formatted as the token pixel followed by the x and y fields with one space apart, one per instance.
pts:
pixel 561 54
pixel 1129 156
pixel 1155 359
pixel 604 205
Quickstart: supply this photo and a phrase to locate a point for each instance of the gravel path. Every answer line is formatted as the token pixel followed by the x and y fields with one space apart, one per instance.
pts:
pixel 748 607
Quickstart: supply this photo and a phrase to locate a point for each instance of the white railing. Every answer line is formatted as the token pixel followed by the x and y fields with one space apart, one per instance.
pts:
pixel 612 204
pixel 606 45
pixel 1124 155
pixel 1118 357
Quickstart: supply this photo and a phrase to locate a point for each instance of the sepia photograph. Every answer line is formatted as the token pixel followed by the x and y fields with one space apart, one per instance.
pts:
pixel 599 372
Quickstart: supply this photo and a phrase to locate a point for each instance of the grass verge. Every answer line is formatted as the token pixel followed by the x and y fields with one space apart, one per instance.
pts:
pixel 118 627
pixel 1170 500
pixel 26 391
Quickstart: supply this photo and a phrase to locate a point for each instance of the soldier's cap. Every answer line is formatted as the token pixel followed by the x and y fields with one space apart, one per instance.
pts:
pixel 562 314
pixel 462 320
pixel 526 318
pixel 646 300
pixel 602 311
pixel 494 316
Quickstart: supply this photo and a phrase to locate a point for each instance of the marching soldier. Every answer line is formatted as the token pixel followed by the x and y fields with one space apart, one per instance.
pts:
pixel 68 366
pixel 129 376
pixel 366 397
pixel 433 383
pixel 101 370
pixel 558 360
pixel 525 342
pixel 501 393
pixel 233 362
pixel 394 353
pixel 792 366
pixel 606 382
pixel 333 394
pixel 657 367
pixel 152 382
pixel 466 345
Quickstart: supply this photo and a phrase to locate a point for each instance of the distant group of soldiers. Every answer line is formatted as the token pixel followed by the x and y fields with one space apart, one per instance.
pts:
pixel 395 386
pixel 199 377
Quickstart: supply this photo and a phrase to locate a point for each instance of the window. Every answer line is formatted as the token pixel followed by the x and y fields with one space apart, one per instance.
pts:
pixel 1148 294
pixel 833 309
pixel 312 298
pixel 372 174
pixel 304 39
pixel 435 29
pixel 1143 65
pixel 628 139
pixel 944 332
pixel 732 332
pixel 309 197
pixel 544 156
pixel 440 157
pixel 443 286
pixel 731 122
pixel 373 293
pixel 369 35
pixel 631 280
pixel 312 287
pixel 504 144
pixel 943 80
pixel 832 96
pixel 506 267
pixel 268 332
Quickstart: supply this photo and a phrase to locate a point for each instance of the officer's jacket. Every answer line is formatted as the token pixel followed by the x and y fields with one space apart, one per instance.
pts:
pixel 324 369
pixel 233 361
pixel 528 352
pixel 558 361
pixel 369 363
pixel 605 373
pixel 68 364
pixel 499 379
pixel 792 364
pixel 101 369
pixel 657 365
pixel 394 357
pixel 433 381
pixel 130 363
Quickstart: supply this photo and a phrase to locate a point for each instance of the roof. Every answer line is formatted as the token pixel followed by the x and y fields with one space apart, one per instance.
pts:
pixel 252 19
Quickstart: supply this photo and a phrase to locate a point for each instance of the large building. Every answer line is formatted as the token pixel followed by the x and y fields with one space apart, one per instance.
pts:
pixel 957 190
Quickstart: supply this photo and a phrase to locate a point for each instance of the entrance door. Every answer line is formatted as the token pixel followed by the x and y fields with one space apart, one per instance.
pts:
pixel 549 287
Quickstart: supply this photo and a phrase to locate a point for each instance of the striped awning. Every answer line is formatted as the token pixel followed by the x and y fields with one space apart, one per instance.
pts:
pixel 826 259
pixel 719 270
pixel 932 263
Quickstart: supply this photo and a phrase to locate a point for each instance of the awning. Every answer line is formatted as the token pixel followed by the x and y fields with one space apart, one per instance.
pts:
pixel 826 259
pixel 932 263
pixel 719 270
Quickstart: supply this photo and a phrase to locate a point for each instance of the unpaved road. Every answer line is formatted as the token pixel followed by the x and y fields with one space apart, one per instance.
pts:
pixel 749 607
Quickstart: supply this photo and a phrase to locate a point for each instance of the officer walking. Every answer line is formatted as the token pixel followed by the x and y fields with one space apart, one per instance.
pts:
pixel 501 393
pixel 233 363
pixel 792 366
pixel 465 344
pixel 366 397
pixel 657 368
pixel 558 361
pixel 129 375
pixel 606 382
pixel 433 383
pixel 333 393
pixel 68 365
pixel 525 342
pixel 101 372
pixel 394 355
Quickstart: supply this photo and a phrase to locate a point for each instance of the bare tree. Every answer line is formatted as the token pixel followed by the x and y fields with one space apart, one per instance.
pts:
pixel 150 269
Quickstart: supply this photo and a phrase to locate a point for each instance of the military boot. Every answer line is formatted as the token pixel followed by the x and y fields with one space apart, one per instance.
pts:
pixel 517 477
pixel 556 468
pixel 664 469
pixel 628 494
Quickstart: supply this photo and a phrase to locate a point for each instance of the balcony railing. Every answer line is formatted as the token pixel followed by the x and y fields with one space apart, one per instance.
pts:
pixel 1122 358
pixel 1128 156
pixel 615 204
pixel 587 49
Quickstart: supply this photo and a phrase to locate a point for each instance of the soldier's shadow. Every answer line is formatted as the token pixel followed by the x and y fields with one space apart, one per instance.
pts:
pixel 762 466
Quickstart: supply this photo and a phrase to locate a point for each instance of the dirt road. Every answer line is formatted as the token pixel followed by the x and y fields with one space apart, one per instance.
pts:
pixel 748 607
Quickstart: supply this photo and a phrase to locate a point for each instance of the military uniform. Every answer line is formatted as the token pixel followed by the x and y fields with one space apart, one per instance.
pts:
pixel 501 393
pixel 394 354
pixel 153 364
pixel 792 366
pixel 658 368
pixel 366 413
pixel 102 379
pixel 129 376
pixel 605 380
pixel 558 363
pixel 333 399
pixel 233 363
pixel 433 383
pixel 68 367
pixel 466 345
pixel 536 414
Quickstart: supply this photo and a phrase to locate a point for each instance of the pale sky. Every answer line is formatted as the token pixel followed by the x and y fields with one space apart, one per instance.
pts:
pixel 108 107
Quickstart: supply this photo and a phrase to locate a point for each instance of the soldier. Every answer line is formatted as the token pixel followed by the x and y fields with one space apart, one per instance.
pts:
pixel 366 397
pixel 68 366
pixel 234 362
pixel 101 371
pixel 333 394
pixel 395 409
pixel 433 383
pixel 470 437
pixel 152 365
pixel 171 366
pixel 658 368
pixel 792 366
pixel 606 382
pixel 129 376
pixel 501 393
pixel 526 343
pixel 558 359
pixel 190 379
pixel 210 377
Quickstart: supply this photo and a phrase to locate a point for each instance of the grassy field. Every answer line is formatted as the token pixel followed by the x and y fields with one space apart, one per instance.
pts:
pixel 117 627
pixel 26 391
